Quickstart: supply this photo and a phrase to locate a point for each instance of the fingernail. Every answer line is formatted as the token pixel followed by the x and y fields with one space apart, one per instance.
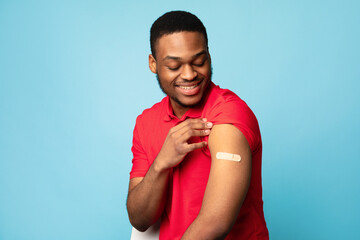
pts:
pixel 209 124
pixel 207 131
pixel 204 119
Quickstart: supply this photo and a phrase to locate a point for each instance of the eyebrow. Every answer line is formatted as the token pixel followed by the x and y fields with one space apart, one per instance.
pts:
pixel 179 58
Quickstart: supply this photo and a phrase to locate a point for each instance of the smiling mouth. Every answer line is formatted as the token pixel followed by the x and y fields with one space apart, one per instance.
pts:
pixel 189 87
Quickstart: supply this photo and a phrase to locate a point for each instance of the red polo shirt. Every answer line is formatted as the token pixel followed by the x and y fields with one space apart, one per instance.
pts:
pixel 188 180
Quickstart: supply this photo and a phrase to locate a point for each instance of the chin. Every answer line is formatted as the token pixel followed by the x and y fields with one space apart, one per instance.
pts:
pixel 188 103
pixel 192 101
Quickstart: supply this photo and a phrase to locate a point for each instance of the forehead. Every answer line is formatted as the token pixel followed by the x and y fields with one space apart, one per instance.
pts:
pixel 180 44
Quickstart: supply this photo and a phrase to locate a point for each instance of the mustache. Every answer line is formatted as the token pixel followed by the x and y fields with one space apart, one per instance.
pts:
pixel 184 81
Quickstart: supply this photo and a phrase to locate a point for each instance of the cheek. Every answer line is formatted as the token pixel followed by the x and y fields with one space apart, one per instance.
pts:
pixel 168 76
pixel 205 72
pixel 166 79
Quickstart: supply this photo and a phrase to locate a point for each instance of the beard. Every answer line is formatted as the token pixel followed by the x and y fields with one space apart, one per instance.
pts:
pixel 175 98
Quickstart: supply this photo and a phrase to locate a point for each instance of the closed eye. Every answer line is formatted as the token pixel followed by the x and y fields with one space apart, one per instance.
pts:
pixel 199 64
pixel 173 68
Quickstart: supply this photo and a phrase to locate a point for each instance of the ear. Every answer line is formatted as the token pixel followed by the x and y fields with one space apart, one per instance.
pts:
pixel 152 63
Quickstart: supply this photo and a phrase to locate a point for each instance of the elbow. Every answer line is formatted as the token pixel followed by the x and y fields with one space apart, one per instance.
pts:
pixel 141 218
pixel 138 221
pixel 139 225
pixel 141 228
pixel 220 230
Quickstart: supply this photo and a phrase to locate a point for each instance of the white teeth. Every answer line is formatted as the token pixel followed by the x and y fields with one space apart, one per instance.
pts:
pixel 188 87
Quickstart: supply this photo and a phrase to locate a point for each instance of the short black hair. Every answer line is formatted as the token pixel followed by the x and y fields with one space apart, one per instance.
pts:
pixel 175 21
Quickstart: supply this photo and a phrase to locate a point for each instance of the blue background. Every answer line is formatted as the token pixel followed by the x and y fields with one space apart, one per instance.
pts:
pixel 74 75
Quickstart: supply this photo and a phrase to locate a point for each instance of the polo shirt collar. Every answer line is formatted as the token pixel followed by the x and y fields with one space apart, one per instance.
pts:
pixel 169 112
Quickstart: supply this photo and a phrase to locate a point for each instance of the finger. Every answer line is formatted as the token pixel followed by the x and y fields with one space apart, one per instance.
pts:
pixel 194 124
pixel 190 128
pixel 194 133
pixel 182 139
pixel 198 123
pixel 193 146
pixel 184 134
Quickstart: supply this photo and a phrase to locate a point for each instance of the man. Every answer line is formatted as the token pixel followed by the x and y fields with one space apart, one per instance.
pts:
pixel 197 153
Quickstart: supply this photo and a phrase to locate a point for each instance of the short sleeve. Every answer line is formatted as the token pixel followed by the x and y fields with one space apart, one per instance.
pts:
pixel 140 164
pixel 237 112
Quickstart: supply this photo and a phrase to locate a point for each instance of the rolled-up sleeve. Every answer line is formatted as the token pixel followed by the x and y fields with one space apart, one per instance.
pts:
pixel 237 112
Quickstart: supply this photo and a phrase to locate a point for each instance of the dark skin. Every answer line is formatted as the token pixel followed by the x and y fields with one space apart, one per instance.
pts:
pixel 182 62
pixel 183 66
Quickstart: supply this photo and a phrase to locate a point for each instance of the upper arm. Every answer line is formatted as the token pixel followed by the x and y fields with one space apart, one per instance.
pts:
pixel 228 180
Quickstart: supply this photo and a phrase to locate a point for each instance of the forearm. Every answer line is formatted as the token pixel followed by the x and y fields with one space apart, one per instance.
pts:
pixel 146 200
pixel 147 196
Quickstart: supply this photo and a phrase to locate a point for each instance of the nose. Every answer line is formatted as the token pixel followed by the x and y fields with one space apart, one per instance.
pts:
pixel 188 73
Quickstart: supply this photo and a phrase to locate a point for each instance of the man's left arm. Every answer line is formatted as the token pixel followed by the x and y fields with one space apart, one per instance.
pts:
pixel 227 185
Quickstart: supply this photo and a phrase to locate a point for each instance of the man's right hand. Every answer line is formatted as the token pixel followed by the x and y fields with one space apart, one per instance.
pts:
pixel 176 144
pixel 147 195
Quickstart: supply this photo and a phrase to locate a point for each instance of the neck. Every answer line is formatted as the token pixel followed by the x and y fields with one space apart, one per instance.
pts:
pixel 178 110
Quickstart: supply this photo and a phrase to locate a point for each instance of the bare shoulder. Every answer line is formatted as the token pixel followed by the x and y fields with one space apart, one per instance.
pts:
pixel 227 137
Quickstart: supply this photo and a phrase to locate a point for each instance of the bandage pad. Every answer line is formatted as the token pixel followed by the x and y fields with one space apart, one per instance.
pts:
pixel 228 156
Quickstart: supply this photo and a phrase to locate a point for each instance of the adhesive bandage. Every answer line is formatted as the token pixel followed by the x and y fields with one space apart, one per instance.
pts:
pixel 228 156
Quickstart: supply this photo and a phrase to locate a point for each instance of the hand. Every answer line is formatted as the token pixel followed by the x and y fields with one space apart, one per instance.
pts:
pixel 176 146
